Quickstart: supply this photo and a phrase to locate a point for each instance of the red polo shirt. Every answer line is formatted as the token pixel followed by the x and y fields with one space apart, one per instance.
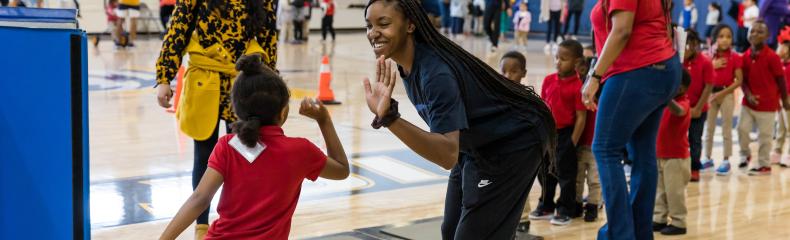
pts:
pixel 761 74
pixel 787 75
pixel 589 130
pixel 673 140
pixel 258 199
pixel 701 70
pixel 564 97
pixel 649 43
pixel 725 76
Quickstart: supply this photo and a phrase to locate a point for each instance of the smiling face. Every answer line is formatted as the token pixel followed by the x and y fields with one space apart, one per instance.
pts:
pixel 388 30
pixel 758 34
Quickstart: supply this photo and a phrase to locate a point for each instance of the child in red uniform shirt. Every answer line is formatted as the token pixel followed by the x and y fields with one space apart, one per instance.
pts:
pixel 729 75
pixel 701 71
pixel 562 92
pixel 261 169
pixel 587 168
pixel 782 116
pixel 672 151
pixel 763 89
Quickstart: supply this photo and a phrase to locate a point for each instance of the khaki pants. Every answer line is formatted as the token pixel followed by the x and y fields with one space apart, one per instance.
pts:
pixel 726 107
pixel 781 130
pixel 765 127
pixel 588 170
pixel 673 177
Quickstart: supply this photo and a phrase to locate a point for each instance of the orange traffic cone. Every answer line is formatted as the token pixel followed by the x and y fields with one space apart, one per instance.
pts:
pixel 325 94
pixel 179 84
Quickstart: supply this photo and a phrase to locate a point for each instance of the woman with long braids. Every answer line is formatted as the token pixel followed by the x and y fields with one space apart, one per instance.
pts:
pixel 642 73
pixel 215 33
pixel 493 133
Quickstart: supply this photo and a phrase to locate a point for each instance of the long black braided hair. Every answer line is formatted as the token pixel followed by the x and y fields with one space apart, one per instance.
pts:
pixel 520 98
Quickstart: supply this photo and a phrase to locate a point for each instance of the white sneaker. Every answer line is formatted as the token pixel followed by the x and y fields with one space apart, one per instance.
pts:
pixel 547 49
pixel 554 48
pixel 785 161
pixel 775 158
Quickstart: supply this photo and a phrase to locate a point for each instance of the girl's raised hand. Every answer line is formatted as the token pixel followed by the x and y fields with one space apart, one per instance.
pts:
pixel 379 95
pixel 313 109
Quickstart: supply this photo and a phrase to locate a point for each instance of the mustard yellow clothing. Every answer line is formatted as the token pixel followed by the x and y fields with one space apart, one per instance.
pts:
pixel 129 2
pixel 225 31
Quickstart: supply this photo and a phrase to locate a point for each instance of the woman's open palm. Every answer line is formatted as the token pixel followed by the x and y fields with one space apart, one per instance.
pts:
pixel 379 94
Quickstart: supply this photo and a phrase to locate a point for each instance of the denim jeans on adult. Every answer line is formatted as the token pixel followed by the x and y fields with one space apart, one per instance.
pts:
pixel 629 113
pixel 202 152
pixel 696 129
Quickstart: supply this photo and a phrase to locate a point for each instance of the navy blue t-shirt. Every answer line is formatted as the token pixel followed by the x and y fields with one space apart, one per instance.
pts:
pixel 488 126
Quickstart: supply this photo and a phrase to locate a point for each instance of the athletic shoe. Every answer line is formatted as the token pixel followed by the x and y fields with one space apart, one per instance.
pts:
pixel 547 49
pixel 579 211
pixel 657 227
pixel 523 226
pixel 590 213
pixel 785 162
pixel 694 176
pixel 672 230
pixel 761 171
pixel 724 168
pixel 745 161
pixel 554 48
pixel 561 220
pixel 539 214
pixel 775 158
pixel 707 165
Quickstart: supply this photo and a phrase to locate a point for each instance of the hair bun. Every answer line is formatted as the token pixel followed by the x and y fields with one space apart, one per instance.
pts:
pixel 250 63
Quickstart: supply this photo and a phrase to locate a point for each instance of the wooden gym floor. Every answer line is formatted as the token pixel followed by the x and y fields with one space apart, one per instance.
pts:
pixel 140 163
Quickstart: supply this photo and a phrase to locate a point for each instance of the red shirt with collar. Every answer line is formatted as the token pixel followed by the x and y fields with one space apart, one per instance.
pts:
pixel 589 130
pixel 701 70
pixel 649 42
pixel 258 198
pixel 787 75
pixel 760 77
pixel 725 75
pixel 673 140
pixel 564 97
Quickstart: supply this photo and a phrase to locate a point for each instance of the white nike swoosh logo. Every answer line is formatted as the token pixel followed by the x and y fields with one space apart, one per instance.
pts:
pixel 483 184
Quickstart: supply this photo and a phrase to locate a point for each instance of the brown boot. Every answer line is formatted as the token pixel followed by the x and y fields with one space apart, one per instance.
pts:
pixel 200 231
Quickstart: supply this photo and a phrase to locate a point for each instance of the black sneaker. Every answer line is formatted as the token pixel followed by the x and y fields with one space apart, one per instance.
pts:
pixel 657 227
pixel 561 220
pixel 523 226
pixel 672 230
pixel 539 214
pixel 578 211
pixel 590 213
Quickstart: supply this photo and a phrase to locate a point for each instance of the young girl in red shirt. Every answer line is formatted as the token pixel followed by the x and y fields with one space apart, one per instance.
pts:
pixel 261 169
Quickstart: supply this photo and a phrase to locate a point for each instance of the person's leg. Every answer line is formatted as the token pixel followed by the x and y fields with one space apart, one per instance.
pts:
pixel 566 168
pixel 548 184
pixel 488 19
pixel 497 23
pixel 765 129
pixel 628 101
pixel 745 124
pixel 660 212
pixel 576 22
pixel 593 180
pixel 581 173
pixel 202 152
pixel 676 177
pixel 557 24
pixel 332 26
pixel 132 30
pixel 164 15
pixel 779 135
pixel 644 174
pixel 710 129
pixel 493 211
pixel 452 200
pixel 695 140
pixel 324 27
pixel 727 109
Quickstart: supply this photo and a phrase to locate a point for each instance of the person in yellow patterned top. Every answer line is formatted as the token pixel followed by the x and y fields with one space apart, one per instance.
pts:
pixel 215 33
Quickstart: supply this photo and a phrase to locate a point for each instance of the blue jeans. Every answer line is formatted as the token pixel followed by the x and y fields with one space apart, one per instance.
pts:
pixel 458 25
pixel 447 20
pixel 629 113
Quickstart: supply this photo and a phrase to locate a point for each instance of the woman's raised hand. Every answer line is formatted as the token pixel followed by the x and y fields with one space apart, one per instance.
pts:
pixel 379 94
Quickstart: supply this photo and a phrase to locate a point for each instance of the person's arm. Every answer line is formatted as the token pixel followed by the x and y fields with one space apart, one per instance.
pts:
pixel 336 167
pixel 578 127
pixel 676 109
pixel 267 38
pixel 182 23
pixel 441 149
pixel 694 18
pixel 735 84
pixel 703 99
pixel 195 205
pixel 622 26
